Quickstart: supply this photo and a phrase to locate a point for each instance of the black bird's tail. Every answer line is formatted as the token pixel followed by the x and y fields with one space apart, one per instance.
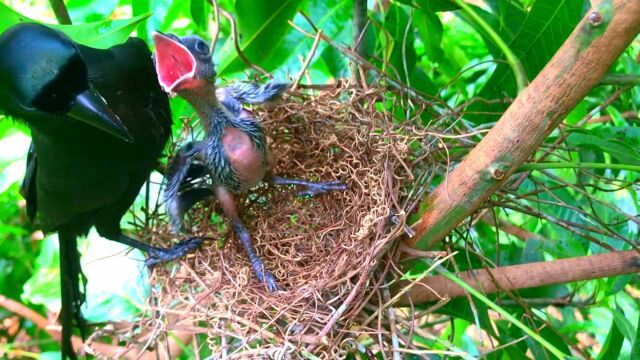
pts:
pixel 72 295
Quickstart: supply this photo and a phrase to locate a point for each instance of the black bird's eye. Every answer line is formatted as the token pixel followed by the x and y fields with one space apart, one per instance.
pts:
pixel 202 47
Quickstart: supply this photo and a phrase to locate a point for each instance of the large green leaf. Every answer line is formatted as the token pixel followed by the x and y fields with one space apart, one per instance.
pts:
pixel 44 286
pixel 117 294
pixel 510 17
pixel 261 27
pixel 400 53
pixel 12 163
pixel 429 29
pixel 506 29
pixel 200 13
pixel 101 34
pixel 329 16
pixel 546 27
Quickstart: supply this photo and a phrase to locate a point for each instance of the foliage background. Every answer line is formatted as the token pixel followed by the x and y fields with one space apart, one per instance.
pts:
pixel 441 52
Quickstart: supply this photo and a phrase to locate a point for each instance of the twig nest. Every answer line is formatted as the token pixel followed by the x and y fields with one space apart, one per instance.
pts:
pixel 322 250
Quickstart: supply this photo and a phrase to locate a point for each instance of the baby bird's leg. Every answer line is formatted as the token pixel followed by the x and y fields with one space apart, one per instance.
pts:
pixel 229 206
pixel 311 188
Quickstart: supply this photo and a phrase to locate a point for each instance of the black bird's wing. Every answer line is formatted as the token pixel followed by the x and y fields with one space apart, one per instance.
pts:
pixel 82 176
pixel 94 177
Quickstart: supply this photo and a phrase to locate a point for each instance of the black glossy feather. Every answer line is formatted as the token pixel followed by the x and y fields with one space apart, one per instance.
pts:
pixel 78 175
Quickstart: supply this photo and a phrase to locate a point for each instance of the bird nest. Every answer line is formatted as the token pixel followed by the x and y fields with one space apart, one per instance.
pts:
pixel 322 250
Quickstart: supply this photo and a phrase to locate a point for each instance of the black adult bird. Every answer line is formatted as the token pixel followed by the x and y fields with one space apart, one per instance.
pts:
pixel 99 122
pixel 234 151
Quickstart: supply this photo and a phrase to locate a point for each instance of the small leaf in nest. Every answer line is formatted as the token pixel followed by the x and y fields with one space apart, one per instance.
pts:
pixel 293 219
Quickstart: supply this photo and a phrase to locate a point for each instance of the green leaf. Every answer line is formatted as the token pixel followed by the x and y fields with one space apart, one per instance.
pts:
pixel 546 27
pixel 335 62
pixel 431 6
pixel 140 7
pixel 620 143
pixel 82 11
pixel 117 284
pixel 261 27
pixel 119 293
pixel 623 324
pixel 578 113
pixel 421 82
pixel 402 55
pixel 43 288
pixel 511 17
pixel 200 13
pixel 506 315
pixel 330 16
pixel 613 343
pixel 617 283
pixel 635 348
pixel 101 34
pixel 429 29
pixel 165 18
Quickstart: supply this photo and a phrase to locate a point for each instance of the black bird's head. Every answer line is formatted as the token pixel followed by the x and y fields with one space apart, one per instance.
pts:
pixel 183 64
pixel 42 73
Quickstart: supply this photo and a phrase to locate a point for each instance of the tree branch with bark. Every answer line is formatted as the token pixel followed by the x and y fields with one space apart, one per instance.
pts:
pixel 579 65
pixel 523 276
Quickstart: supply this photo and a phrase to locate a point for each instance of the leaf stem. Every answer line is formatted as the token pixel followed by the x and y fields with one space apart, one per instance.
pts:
pixel 512 59
pixel 555 351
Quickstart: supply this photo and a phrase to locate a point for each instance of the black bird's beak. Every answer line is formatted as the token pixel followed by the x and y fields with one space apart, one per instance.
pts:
pixel 91 108
pixel 175 64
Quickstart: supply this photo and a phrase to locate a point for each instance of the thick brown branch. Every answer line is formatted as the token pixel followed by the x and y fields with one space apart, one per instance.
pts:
pixel 524 276
pixel 577 67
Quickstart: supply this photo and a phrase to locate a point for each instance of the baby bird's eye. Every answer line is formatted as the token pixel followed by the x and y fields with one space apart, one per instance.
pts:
pixel 202 47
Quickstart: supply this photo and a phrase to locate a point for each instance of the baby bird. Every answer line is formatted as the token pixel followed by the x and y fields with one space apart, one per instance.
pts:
pixel 234 151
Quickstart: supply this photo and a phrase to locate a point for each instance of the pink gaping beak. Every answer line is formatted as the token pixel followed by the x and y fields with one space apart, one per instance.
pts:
pixel 175 64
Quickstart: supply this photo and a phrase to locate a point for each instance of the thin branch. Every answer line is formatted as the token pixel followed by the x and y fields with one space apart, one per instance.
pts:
pixel 627 115
pixel 620 79
pixel 60 11
pixel 436 103
pixel 360 20
pixel 55 331
pixel 310 56
pixel 216 29
pixel 234 31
